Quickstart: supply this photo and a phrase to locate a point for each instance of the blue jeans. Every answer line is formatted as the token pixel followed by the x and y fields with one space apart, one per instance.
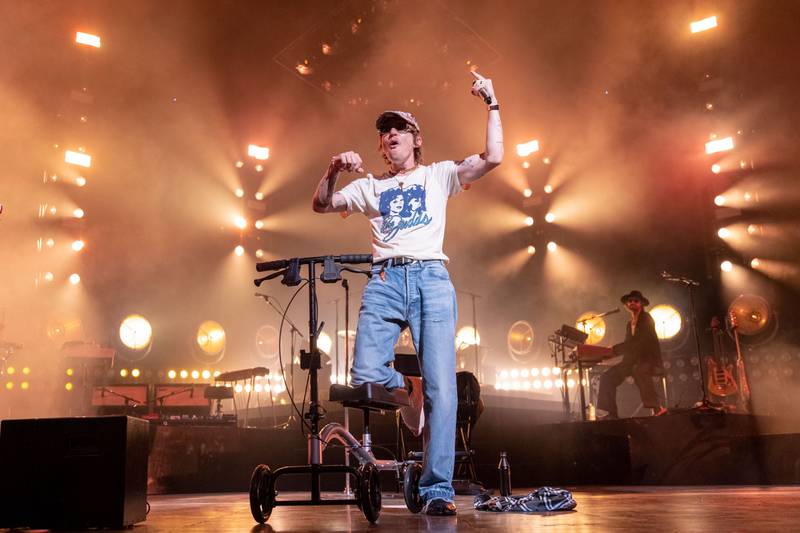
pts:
pixel 421 296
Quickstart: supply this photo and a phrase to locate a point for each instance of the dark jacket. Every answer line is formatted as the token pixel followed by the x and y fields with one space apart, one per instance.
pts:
pixel 641 347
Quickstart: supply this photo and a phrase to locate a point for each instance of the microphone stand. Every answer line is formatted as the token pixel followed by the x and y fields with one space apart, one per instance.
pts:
pixel 294 333
pixel 347 489
pixel 705 403
pixel 475 344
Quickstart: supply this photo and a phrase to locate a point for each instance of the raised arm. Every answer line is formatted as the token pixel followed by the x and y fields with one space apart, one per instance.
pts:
pixel 326 200
pixel 475 166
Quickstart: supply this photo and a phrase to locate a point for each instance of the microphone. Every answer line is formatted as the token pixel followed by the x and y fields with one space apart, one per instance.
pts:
pixel 615 310
pixel 485 95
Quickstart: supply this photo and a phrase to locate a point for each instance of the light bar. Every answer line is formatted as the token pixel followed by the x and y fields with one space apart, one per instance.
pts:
pixel 258 152
pixel 526 149
pixel 87 39
pixel 78 158
pixel 702 25
pixel 719 145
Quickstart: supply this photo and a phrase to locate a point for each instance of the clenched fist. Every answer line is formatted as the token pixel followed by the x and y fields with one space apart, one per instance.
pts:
pixel 347 161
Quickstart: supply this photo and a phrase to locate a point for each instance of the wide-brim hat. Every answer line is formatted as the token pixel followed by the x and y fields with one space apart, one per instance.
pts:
pixel 405 116
pixel 635 294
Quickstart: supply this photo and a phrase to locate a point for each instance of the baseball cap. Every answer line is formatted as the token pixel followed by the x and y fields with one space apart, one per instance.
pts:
pixel 388 116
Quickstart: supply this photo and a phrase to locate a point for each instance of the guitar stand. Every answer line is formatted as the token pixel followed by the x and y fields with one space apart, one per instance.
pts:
pixel 263 495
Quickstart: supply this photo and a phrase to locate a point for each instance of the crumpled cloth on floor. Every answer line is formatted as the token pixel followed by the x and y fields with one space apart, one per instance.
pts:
pixel 539 501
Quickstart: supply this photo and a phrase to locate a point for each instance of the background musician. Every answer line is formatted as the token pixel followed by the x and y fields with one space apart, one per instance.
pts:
pixel 641 358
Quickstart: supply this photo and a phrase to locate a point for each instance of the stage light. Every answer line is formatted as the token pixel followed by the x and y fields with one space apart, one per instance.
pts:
pixel 548 384
pixel 184 374
pixel 88 39
pixel 723 233
pixel 304 69
pixel 240 222
pixel 238 387
pixel 570 383
pixel 548 189
pixel 259 253
pixel 719 145
pixel 78 212
pixel 702 25
pixel 709 106
pixel 258 387
pixel 258 152
pixel 123 373
pixel 136 372
pixel 239 164
pixel 755 262
pixel 593 326
pixel 210 339
pixel 527 193
pixel 546 160
pixel 78 158
pixel 24 385
pixel 217 373
pixel 747 196
pixel 74 279
pixel 534 372
pixel 172 374
pixel 259 224
pixel 537 383
pixel 325 343
pixel 53 210
pixel 11 371
pixel 526 165
pixel 239 250
pixel 556 371
pixel 259 196
pixel 559 383
pixel 239 192
pixel 68 386
pixel 720 200
pixel 206 374
pixel 195 374
pixel 726 266
pixel 716 168
pixel 70 371
pixel 135 332
pixel 467 336
pixel 668 321
pixel 531 250
pixel 77 245
pixel 752 229
pixel 546 371
pixel 529 221
pixel 527 148
pixel 48 277
pixel 80 181
pixel 259 168
pixel 552 246
pixel 50 242
pixel 550 218
pixel 26 370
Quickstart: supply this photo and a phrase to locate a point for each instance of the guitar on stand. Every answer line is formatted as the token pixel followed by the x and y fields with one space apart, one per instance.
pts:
pixel 741 374
pixel 721 382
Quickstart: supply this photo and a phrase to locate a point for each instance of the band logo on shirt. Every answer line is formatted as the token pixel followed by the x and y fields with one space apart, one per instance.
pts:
pixel 402 209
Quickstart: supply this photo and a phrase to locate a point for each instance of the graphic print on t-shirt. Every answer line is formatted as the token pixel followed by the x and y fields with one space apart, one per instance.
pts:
pixel 402 209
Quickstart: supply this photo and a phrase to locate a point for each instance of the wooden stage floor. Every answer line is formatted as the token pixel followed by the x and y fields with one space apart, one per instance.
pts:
pixel 652 509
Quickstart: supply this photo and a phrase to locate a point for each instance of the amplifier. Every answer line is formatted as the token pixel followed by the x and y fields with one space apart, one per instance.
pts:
pixel 73 473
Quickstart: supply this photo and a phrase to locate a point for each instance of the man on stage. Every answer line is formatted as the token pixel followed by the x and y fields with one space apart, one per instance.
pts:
pixel 410 285
pixel 641 358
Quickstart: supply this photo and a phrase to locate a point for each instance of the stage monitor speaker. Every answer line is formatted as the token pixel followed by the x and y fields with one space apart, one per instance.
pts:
pixel 73 473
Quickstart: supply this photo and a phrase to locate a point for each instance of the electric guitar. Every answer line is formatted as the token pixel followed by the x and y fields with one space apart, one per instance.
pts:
pixel 741 375
pixel 720 373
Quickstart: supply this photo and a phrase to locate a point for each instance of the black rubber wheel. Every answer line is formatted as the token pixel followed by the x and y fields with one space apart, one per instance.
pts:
pixel 369 491
pixel 413 472
pixel 262 494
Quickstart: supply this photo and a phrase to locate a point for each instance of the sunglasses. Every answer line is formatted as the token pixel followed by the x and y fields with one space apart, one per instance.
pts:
pixel 397 124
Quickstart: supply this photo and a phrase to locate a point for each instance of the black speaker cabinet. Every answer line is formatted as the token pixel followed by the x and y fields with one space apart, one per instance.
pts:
pixel 73 473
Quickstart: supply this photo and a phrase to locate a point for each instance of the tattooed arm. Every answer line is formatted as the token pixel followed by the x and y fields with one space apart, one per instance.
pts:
pixel 475 166
pixel 325 199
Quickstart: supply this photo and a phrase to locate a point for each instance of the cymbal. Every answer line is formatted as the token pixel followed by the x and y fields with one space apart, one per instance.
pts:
pixel 751 312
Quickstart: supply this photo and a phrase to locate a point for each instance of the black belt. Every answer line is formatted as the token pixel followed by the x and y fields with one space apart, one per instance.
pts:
pixel 401 261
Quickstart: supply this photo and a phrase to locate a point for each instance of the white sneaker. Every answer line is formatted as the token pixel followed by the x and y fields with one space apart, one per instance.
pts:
pixel 414 415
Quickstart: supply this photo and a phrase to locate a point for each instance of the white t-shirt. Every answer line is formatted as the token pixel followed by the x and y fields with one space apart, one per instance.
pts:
pixel 407 213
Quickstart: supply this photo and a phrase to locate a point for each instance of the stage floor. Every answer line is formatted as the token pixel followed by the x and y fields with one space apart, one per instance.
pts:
pixel 652 509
